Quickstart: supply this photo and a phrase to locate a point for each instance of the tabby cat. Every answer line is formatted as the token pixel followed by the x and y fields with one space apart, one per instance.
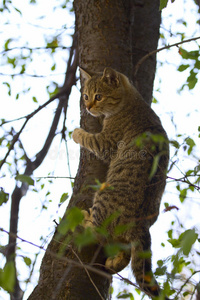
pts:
pixel 131 142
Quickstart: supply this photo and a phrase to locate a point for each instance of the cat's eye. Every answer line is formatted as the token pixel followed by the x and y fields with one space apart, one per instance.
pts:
pixel 85 97
pixel 98 97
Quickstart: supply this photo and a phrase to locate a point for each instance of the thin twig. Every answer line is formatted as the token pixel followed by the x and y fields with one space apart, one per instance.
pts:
pixel 54 177
pixel 126 280
pixel 35 48
pixel 58 286
pixel 28 117
pixel 184 180
pixel 140 62
pixel 19 192
pixel 56 256
pixel 88 274
pixel 186 282
pixel 31 75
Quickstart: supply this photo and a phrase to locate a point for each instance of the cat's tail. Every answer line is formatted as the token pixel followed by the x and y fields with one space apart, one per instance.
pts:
pixel 141 264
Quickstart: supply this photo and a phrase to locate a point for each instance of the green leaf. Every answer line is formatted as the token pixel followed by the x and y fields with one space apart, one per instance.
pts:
pixel 126 296
pixel 154 166
pixel 188 239
pixel 161 271
pixel 3 197
pixel 87 237
pixel 183 195
pixel 53 44
pixel 23 68
pixel 145 254
pixel 186 293
pixel 7 277
pixel 12 61
pixel 170 233
pixel 189 54
pixel 19 11
pixel 160 263
pixel 197 64
pixel 64 197
pixel 53 67
pixel 53 89
pixel 25 178
pixel 35 99
pixel 175 144
pixel 9 87
pixel 192 80
pixel 182 68
pixel 167 289
pixel 178 263
pixel 154 100
pixel 190 142
pixel 174 242
pixel 163 4
pixel 110 219
pixel 70 134
pixel 112 249
pixel 119 229
pixel 6 47
pixel 73 218
pixel 27 260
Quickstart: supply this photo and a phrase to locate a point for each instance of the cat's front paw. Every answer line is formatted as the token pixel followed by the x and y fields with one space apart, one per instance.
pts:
pixel 76 135
pixel 87 222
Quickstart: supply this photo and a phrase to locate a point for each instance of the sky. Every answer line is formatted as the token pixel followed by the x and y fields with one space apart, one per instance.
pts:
pixel 173 108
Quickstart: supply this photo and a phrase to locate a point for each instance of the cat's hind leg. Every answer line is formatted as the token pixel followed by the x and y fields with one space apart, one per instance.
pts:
pixel 141 262
pixel 118 262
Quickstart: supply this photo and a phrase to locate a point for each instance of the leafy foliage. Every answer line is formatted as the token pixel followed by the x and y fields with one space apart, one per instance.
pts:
pixel 163 3
pixel 194 67
pixel 3 196
pixel 32 70
pixel 25 178
pixel 7 277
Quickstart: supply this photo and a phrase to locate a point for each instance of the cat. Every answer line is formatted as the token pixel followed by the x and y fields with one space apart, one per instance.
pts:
pixel 135 146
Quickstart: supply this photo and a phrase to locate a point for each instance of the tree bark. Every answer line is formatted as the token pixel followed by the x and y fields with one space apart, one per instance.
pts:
pixel 106 37
pixel 145 35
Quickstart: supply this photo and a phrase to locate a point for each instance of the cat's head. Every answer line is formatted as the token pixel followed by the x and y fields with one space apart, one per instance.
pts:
pixel 103 94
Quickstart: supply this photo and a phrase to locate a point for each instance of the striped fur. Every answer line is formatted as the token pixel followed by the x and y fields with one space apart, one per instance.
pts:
pixel 134 195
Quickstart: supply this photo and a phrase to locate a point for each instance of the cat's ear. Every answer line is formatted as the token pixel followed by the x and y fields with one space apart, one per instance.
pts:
pixel 85 75
pixel 111 77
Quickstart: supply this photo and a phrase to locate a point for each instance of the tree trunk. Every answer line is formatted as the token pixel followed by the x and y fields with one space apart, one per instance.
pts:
pixel 112 33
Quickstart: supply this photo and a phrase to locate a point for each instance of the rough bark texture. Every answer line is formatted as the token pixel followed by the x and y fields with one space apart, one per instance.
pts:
pixel 145 35
pixel 112 33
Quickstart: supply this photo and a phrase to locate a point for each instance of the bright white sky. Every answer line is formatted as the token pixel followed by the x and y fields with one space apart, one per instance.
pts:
pixel 184 107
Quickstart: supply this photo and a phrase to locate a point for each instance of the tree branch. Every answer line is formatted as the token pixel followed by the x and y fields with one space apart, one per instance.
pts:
pixel 142 60
pixel 56 255
pixel 185 180
pixel 35 48
pixel 28 117
pixel 19 192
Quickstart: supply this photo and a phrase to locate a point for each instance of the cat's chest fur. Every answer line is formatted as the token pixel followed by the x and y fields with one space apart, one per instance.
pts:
pixel 133 120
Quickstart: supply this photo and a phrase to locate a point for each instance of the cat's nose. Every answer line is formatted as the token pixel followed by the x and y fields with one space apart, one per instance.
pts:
pixel 89 106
